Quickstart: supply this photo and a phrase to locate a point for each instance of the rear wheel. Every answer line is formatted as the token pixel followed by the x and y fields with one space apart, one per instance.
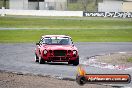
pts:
pixel 76 62
pixel 41 60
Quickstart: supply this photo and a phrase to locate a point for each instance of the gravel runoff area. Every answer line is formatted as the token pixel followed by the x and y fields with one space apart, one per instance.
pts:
pixel 14 80
pixel 120 58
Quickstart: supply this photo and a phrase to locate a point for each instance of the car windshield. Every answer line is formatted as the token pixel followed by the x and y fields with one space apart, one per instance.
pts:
pixel 57 41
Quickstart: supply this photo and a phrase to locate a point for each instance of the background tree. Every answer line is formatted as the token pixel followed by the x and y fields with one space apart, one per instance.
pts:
pixel 85 4
pixel 4 3
pixel 38 5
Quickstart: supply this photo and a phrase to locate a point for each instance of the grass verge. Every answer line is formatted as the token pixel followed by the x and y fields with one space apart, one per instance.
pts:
pixel 84 35
pixel 129 59
pixel 61 22
pixel 89 29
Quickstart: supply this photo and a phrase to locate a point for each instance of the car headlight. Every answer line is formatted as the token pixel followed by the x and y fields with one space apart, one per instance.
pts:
pixel 45 51
pixel 74 52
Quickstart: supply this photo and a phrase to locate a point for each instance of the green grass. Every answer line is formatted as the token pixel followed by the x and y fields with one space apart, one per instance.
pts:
pixel 17 22
pixel 129 59
pixel 85 35
pixel 89 29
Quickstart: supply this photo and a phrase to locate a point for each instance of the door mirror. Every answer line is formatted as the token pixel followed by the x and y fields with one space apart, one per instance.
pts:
pixel 37 43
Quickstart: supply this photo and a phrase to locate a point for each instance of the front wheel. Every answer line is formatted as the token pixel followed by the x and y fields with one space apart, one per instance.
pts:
pixel 76 62
pixel 41 60
pixel 36 58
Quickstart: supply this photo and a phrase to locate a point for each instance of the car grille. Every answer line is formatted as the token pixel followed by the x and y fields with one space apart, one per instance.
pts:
pixel 59 59
pixel 59 52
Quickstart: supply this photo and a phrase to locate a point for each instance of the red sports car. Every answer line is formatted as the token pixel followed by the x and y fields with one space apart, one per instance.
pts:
pixel 56 48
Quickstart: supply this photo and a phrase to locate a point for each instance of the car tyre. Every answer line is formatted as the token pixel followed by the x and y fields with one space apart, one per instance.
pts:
pixel 41 60
pixel 36 58
pixel 76 62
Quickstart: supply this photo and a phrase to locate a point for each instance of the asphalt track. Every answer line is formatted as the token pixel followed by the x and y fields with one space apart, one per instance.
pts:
pixel 19 57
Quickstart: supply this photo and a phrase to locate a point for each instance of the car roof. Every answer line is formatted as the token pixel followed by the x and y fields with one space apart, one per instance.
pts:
pixel 55 36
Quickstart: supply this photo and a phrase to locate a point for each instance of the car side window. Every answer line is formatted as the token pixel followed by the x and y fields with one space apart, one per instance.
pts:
pixel 70 41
